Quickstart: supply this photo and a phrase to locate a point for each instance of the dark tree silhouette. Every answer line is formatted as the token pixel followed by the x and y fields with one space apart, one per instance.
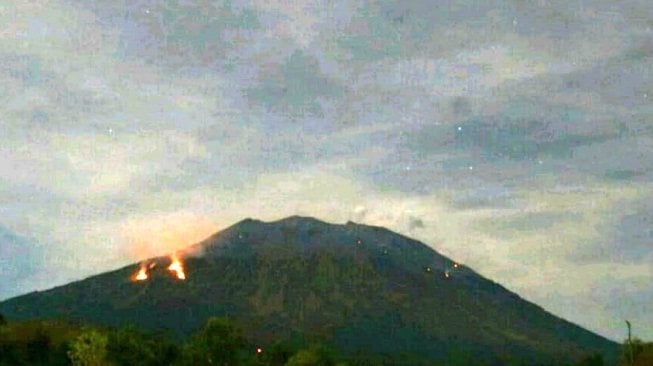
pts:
pixel 219 342
pixel 130 346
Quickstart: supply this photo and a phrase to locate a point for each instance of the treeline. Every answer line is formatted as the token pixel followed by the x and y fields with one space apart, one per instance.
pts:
pixel 636 353
pixel 219 342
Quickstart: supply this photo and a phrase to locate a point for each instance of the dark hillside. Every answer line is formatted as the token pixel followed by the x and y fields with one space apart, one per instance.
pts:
pixel 364 289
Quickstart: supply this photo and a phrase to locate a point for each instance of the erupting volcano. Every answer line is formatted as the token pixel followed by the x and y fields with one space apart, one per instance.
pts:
pixel 360 288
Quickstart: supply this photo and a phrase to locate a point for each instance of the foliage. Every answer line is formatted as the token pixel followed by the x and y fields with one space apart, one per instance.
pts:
pixel 318 355
pixel 642 353
pixel 219 342
pixel 278 354
pixel 360 289
pixel 592 360
pixel 130 346
pixel 89 349
pixel 39 347
pixel 34 343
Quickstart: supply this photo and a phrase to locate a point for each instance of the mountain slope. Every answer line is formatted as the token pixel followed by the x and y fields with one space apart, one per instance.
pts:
pixel 365 289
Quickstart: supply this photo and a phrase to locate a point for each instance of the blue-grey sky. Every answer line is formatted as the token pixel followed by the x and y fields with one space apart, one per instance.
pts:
pixel 513 136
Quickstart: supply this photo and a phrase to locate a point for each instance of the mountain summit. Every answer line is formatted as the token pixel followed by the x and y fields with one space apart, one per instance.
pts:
pixel 364 289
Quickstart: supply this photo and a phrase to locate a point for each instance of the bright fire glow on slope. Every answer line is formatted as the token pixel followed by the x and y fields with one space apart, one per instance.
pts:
pixel 147 237
pixel 142 273
pixel 177 267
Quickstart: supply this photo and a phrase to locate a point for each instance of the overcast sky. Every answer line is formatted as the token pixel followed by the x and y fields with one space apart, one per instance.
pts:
pixel 513 136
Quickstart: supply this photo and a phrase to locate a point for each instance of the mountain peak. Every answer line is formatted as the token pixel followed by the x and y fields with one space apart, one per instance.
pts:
pixel 295 220
pixel 299 218
pixel 247 221
pixel 306 235
pixel 362 288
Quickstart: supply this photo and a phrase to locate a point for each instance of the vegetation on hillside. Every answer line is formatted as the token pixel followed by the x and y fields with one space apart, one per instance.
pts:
pixel 373 295
pixel 636 353
pixel 220 341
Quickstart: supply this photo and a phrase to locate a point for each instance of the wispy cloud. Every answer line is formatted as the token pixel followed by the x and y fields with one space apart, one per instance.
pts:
pixel 512 136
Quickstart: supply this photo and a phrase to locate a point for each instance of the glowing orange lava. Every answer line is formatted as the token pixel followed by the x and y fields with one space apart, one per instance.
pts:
pixel 177 267
pixel 142 274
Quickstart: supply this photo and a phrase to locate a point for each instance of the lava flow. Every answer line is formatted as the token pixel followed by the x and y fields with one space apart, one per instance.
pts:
pixel 177 267
pixel 142 273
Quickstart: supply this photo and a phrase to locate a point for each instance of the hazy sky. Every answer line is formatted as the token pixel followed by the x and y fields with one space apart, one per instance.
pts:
pixel 513 136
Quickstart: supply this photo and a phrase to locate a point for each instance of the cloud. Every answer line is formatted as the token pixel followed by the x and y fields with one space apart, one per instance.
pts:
pixel 20 258
pixel 489 196
pixel 82 165
pixel 359 214
pixel 531 222
pixel 303 21
pixel 148 236
pixel 629 237
pixel 295 88
pixel 415 223
pixel 511 136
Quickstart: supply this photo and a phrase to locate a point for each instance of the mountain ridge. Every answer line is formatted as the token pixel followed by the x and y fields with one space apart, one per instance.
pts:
pixel 347 283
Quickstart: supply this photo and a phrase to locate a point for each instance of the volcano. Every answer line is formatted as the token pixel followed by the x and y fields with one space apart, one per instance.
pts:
pixel 363 289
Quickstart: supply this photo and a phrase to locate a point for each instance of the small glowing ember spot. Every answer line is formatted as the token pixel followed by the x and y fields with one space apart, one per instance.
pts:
pixel 455 265
pixel 177 267
pixel 259 350
pixel 152 265
pixel 359 241
pixel 446 274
